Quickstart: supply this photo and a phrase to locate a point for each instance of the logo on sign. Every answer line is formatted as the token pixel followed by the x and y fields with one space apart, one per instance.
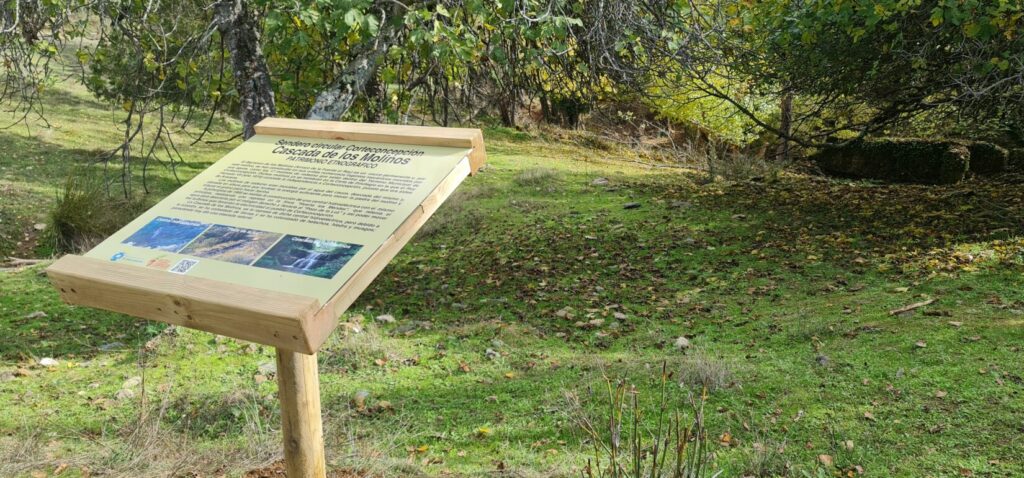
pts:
pixel 117 257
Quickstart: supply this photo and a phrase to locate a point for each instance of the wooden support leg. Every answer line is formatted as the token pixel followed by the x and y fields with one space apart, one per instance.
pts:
pixel 298 382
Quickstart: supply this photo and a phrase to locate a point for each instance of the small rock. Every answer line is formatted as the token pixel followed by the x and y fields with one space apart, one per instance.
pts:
pixel 39 226
pixel 6 377
pixel 600 182
pixel 682 343
pixel 825 460
pixel 48 362
pixel 822 360
pixel 37 315
pixel 631 205
pixel 124 394
pixel 267 368
pixel 406 329
pixel 385 319
pixel 941 394
pixel 920 344
pixel 491 354
pixel 111 346
pixel 132 382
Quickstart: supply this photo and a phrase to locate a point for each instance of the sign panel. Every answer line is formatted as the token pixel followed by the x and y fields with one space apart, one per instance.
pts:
pixel 290 214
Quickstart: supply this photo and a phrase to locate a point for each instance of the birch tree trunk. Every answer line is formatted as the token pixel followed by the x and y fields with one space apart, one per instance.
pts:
pixel 239 27
pixel 338 97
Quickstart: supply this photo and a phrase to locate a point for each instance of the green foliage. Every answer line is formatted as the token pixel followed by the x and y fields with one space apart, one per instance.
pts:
pixel 441 47
pixel 902 160
pixel 898 57
pixel 158 52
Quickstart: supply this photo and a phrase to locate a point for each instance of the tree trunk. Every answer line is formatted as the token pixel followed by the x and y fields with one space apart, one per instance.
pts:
pixel 785 125
pixel 334 101
pixel 239 27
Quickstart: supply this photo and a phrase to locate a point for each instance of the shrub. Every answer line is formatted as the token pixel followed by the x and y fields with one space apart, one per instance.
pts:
pixel 628 444
pixel 987 158
pixel 84 214
pixel 900 160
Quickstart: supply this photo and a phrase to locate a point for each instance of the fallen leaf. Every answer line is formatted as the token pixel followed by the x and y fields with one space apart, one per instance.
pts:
pixel 825 460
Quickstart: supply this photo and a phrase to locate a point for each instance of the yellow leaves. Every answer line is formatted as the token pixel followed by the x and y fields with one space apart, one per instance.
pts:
pixel 483 432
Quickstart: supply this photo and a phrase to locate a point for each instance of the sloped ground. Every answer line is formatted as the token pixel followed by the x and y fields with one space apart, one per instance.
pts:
pixel 532 283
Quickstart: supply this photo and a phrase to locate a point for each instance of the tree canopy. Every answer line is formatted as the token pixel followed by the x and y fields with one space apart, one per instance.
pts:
pixel 746 70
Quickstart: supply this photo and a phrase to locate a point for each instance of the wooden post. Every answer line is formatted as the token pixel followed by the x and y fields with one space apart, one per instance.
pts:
pixel 298 381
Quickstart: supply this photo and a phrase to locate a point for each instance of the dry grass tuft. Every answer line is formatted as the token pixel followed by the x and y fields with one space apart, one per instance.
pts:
pixel 700 369
pixel 537 178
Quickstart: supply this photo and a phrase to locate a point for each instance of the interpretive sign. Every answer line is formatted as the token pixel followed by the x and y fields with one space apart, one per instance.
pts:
pixel 274 241
pixel 296 215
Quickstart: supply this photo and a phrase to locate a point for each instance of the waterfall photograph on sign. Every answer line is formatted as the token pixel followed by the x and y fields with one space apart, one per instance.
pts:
pixel 308 256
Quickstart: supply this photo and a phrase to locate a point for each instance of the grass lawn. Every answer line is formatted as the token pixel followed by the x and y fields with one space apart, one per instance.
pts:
pixel 532 283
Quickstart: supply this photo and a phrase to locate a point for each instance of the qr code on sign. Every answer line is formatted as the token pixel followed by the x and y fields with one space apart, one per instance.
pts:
pixel 183 266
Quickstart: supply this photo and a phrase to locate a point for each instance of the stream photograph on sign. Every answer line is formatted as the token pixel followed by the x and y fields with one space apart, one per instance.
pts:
pixel 231 244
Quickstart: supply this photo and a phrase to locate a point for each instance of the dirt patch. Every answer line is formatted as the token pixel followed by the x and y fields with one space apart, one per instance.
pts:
pixel 276 470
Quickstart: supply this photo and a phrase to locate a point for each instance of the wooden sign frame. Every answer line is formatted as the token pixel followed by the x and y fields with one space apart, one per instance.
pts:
pixel 295 325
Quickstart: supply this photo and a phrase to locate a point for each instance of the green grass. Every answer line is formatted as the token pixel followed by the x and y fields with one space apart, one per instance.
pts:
pixel 786 285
